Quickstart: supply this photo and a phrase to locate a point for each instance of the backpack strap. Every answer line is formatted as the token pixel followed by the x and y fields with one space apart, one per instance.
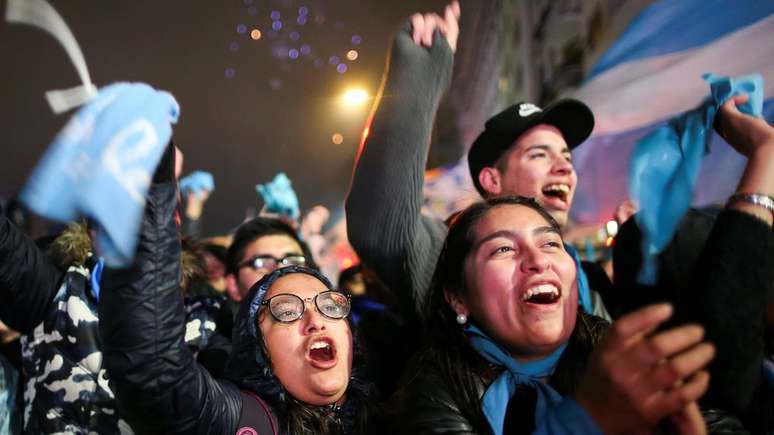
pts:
pixel 256 417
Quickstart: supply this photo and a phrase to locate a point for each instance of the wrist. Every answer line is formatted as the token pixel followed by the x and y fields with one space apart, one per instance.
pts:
pixel 193 211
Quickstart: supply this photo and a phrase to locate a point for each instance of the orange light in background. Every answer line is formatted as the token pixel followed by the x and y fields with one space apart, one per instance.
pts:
pixel 354 97
pixel 609 241
pixel 366 130
pixel 352 54
pixel 346 263
pixel 255 34
pixel 337 138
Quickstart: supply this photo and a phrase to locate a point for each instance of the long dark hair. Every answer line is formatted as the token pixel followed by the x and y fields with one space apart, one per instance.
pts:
pixel 448 347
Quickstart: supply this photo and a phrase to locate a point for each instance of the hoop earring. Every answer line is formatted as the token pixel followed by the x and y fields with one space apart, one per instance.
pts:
pixel 462 319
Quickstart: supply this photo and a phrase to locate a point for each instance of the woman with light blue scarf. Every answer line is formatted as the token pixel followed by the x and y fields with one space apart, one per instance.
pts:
pixel 510 352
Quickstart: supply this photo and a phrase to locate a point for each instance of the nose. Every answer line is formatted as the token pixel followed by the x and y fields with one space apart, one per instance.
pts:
pixel 562 165
pixel 313 320
pixel 534 260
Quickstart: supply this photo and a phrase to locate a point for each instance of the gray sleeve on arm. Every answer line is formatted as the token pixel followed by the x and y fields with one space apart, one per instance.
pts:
pixel 384 219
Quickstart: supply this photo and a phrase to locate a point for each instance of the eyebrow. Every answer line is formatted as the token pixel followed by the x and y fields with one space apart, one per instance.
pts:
pixel 511 234
pixel 546 147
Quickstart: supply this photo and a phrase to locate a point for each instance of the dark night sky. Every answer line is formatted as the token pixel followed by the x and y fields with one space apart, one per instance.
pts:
pixel 239 128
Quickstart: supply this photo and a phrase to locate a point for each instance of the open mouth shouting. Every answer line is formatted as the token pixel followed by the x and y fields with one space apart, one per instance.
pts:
pixel 557 195
pixel 321 352
pixel 543 294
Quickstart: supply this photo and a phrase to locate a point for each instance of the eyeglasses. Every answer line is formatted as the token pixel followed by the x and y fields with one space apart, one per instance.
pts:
pixel 287 308
pixel 267 262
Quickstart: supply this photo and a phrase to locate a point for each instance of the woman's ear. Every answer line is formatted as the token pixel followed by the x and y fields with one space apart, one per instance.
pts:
pixel 456 301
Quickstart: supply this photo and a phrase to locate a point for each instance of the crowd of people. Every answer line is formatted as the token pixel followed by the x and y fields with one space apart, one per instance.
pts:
pixel 485 323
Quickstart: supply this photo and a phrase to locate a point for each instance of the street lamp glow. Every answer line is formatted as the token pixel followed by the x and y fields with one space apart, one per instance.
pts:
pixel 354 97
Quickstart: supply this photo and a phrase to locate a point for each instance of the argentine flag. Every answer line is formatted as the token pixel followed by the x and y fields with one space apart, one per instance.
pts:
pixel 651 73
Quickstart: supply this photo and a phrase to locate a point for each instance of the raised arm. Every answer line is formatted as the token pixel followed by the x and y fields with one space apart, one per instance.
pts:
pixel 384 219
pixel 735 271
pixel 159 386
pixel 28 278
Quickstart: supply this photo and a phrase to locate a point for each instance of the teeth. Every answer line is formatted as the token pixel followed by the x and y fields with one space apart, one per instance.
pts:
pixel 557 188
pixel 319 345
pixel 543 288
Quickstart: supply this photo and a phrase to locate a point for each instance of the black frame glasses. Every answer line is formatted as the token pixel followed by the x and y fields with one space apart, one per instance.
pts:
pixel 287 307
pixel 268 262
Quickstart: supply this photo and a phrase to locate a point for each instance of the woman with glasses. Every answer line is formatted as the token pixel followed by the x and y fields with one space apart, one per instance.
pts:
pixel 291 366
pixel 511 352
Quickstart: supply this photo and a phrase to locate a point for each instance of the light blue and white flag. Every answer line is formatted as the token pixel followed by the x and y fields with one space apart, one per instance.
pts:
pixel 101 165
pixel 650 74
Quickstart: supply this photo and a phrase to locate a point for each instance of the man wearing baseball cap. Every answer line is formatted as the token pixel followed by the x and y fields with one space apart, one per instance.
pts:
pixel 523 150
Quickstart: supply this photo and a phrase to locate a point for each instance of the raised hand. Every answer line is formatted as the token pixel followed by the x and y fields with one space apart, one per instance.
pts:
pixel 743 132
pixel 635 378
pixel 423 26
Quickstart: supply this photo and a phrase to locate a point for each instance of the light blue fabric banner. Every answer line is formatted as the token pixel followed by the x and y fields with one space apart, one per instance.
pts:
pixel 101 165
pixel 665 165
pixel 197 181
pixel 279 197
pixel 661 28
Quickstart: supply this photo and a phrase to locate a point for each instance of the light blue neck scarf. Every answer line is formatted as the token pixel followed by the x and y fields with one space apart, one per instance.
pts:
pixel 584 291
pixel 496 397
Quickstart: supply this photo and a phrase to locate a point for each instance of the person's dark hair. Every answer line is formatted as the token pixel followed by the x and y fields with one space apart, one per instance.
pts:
pixel 250 367
pixel 256 228
pixel 347 274
pixel 448 346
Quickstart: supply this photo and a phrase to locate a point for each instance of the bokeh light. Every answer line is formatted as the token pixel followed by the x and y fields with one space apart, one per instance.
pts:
pixel 294 36
pixel 234 46
pixel 352 54
pixel 241 29
pixel 255 34
pixel 277 25
pixel 356 39
pixel 301 20
pixel 333 60
pixel 341 68
pixel 293 53
pixel 354 97
pixel 303 10
pixel 306 49
pixel 229 73
pixel 337 138
pixel 275 15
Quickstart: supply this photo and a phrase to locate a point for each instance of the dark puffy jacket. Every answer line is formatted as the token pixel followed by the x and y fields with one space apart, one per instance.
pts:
pixel 159 386
pixel 66 389
pixel 428 404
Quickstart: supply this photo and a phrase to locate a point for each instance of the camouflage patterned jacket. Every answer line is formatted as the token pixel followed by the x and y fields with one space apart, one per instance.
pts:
pixel 66 390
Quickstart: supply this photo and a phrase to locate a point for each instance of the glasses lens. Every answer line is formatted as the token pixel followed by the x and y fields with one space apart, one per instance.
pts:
pixel 286 308
pixel 294 260
pixel 333 304
pixel 264 263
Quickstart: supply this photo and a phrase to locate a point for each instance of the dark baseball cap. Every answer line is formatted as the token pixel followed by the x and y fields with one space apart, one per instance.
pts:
pixel 573 118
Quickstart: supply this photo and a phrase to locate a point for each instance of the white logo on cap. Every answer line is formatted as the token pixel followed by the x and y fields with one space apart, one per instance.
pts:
pixel 527 109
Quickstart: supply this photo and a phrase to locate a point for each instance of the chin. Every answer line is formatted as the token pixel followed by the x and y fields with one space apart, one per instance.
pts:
pixel 331 389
